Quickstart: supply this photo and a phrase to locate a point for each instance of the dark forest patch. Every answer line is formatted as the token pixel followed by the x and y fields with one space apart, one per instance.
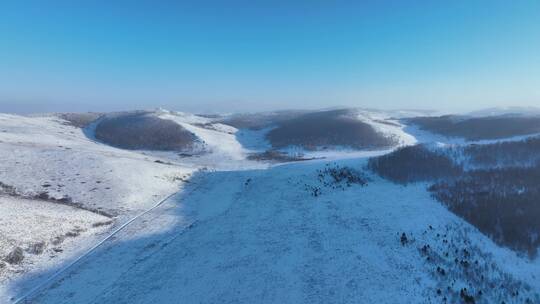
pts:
pixel 414 164
pixel 504 154
pixel 328 128
pixel 275 156
pixel 472 128
pixel 259 121
pixel 144 131
pixel 502 203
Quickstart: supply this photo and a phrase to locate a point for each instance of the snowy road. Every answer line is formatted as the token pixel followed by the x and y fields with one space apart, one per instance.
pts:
pixel 227 243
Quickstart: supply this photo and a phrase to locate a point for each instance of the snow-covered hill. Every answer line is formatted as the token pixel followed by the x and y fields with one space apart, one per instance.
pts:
pixel 43 154
pixel 58 180
pixel 325 133
pixel 498 111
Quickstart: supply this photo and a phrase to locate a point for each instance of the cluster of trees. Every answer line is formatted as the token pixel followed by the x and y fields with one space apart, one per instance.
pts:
pixel 464 273
pixel 275 155
pixel 501 199
pixel 325 129
pixel 505 154
pixel 502 203
pixel 7 189
pixel 414 164
pixel 474 128
pixel 144 131
pixel 334 176
pixel 257 121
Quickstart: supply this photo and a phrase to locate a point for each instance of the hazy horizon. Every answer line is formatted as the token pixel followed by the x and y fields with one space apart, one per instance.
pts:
pixel 241 56
pixel 47 109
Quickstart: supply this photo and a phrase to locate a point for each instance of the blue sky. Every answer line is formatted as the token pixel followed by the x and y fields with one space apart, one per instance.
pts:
pixel 219 56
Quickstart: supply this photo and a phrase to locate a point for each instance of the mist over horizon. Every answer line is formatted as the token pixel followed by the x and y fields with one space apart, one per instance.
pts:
pixel 250 57
pixel 240 108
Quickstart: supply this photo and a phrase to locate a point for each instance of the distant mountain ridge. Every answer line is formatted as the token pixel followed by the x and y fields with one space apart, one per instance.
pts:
pixel 512 110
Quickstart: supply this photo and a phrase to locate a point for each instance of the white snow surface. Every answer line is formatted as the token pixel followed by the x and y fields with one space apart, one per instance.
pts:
pixel 62 231
pixel 230 244
pixel 41 151
pixel 238 232
pixel 44 154
pixel 386 124
pixel 219 138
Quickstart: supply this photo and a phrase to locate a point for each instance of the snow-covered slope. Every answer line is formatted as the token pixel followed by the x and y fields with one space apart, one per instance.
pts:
pixel 45 163
pixel 219 139
pixel 241 231
pixel 263 236
pixel 387 124
pixel 36 233
pixel 43 154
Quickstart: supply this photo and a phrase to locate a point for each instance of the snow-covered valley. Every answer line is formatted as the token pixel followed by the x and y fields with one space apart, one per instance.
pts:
pixel 235 230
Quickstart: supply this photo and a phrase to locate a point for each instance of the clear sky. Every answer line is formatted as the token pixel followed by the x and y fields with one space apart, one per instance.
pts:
pixel 220 56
